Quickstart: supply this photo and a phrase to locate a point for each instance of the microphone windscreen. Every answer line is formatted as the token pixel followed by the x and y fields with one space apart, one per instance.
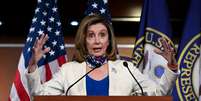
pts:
pixel 125 64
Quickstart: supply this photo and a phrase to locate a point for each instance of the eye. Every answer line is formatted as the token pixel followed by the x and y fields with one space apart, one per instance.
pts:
pixel 90 35
pixel 102 34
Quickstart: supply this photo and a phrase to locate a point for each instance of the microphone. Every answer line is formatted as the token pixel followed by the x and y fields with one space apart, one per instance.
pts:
pixel 126 65
pixel 97 66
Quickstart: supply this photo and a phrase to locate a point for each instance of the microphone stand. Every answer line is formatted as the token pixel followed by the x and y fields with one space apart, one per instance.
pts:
pixel 79 80
pixel 126 65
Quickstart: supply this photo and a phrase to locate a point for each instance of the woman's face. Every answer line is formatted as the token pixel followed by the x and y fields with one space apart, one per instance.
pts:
pixel 97 39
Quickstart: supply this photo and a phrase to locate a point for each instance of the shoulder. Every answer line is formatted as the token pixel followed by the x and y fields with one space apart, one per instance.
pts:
pixel 119 62
pixel 72 65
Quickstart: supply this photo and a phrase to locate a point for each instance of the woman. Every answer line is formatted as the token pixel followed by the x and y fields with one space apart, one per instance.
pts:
pixel 97 54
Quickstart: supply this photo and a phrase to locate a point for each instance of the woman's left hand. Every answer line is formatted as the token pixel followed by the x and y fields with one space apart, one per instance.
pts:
pixel 168 52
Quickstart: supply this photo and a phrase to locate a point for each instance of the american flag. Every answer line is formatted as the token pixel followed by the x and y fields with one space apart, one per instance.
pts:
pixel 45 21
pixel 99 7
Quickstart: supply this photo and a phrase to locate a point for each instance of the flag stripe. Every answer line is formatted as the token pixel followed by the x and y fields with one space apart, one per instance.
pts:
pixel 48 72
pixel 22 70
pixel 42 73
pixel 23 96
pixel 9 98
pixel 54 66
pixel 61 60
pixel 13 94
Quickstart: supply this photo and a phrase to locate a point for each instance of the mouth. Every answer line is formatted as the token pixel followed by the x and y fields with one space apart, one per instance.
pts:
pixel 97 49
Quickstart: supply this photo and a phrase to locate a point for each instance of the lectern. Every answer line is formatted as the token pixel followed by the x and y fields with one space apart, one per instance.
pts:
pixel 102 98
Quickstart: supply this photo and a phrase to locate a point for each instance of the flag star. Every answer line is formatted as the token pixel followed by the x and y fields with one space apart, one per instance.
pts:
pixel 40 32
pixel 43 23
pixel 45 46
pixel 94 5
pixel 91 13
pixel 31 29
pixel 52 52
pixel 54 43
pixel 47 4
pixel 54 9
pixel 29 49
pixel 62 47
pixel 57 33
pixel 44 13
pixel 28 38
pixel 102 10
pixel 31 39
pixel 51 19
pixel 34 20
pixel 59 23
pixel 105 1
pixel 39 1
pixel 49 29
pixel 37 10
pixel 44 56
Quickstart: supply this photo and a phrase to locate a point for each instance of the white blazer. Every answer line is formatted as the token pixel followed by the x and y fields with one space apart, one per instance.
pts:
pixel 121 83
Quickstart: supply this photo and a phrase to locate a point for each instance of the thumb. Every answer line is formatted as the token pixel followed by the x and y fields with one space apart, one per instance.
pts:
pixel 46 49
pixel 158 51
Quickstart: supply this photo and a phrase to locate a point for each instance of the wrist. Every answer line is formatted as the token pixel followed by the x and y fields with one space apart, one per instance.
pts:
pixel 32 68
pixel 173 67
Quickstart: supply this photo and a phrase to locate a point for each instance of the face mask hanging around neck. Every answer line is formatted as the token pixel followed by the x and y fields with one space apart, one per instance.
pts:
pixel 95 62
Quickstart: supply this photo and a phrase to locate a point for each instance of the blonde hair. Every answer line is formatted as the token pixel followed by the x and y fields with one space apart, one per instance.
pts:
pixel 80 39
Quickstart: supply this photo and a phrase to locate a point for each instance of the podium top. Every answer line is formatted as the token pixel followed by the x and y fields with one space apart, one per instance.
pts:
pixel 103 98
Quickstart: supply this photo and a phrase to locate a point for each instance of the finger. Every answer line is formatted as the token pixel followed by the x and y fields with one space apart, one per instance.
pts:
pixel 40 41
pixel 158 51
pixel 174 59
pixel 169 46
pixel 46 49
pixel 41 37
pixel 35 43
pixel 172 50
pixel 165 44
pixel 45 39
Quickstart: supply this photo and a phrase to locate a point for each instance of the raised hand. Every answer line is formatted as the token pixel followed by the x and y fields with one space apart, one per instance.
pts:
pixel 168 53
pixel 38 52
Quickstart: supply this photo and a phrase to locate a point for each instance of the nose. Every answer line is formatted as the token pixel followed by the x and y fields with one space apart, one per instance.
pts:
pixel 97 40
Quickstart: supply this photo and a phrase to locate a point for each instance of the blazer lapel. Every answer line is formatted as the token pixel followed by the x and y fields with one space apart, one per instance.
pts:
pixel 83 86
pixel 112 78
